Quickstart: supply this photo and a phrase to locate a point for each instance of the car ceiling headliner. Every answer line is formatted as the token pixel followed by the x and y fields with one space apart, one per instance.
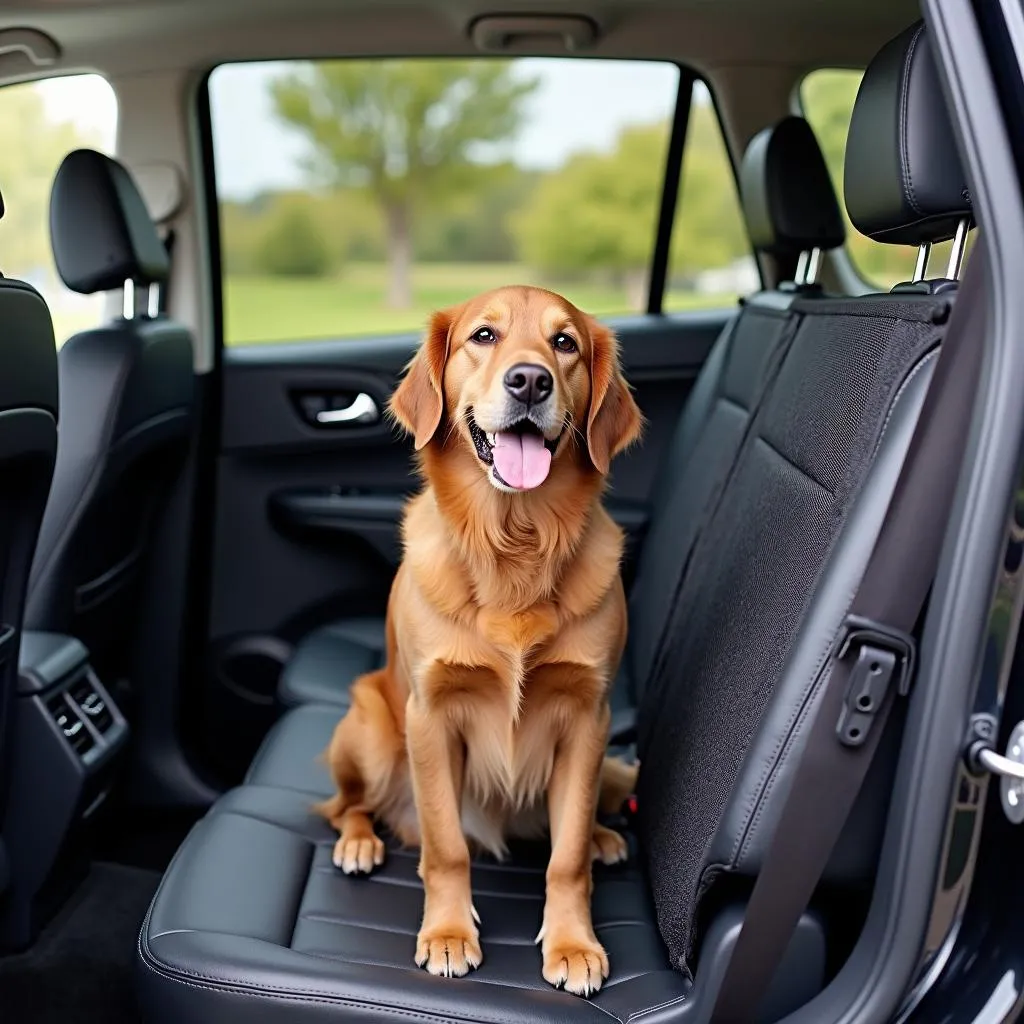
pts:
pixel 131 36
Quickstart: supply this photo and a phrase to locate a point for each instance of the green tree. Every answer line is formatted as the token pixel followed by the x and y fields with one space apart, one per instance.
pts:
pixel 293 245
pixel 33 149
pixel 406 130
pixel 709 230
pixel 599 211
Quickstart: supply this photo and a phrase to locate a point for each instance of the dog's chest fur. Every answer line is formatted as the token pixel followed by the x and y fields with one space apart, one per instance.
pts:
pixel 488 654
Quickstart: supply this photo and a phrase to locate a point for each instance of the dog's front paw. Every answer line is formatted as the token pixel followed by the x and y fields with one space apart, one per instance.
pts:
pixel 450 952
pixel 607 846
pixel 577 966
pixel 358 854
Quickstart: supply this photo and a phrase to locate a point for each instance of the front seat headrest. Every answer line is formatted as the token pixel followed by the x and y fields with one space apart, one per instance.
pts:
pixel 788 199
pixel 903 179
pixel 100 229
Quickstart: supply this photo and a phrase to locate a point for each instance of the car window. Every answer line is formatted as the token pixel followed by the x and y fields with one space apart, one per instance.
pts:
pixel 710 262
pixel 40 123
pixel 357 195
pixel 827 97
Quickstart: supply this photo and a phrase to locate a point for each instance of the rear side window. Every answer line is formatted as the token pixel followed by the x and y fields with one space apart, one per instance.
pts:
pixel 40 123
pixel 357 195
pixel 827 97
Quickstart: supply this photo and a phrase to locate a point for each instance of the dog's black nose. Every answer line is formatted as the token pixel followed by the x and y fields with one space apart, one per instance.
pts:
pixel 529 383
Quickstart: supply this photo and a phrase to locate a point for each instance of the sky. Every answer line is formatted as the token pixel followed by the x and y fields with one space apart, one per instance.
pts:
pixel 579 104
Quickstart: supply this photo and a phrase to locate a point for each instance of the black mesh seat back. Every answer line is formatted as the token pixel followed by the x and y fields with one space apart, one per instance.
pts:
pixel 752 578
pixel 708 437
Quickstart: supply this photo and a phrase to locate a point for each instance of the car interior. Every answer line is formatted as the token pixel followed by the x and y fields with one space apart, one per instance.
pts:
pixel 200 489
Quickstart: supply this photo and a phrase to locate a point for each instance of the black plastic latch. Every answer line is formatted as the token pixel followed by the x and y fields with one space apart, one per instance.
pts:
pixel 883 657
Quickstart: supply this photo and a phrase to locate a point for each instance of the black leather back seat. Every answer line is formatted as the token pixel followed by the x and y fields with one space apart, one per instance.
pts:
pixel 28 446
pixel 791 208
pixel 253 922
pixel 126 418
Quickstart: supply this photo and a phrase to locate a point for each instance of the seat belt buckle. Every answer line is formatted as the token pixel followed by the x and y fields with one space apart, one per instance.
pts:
pixel 884 657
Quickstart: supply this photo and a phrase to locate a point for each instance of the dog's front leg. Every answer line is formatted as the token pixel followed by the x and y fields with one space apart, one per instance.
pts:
pixel 448 942
pixel 573 957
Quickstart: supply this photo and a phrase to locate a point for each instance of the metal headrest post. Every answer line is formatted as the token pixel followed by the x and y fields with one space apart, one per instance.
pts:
pixel 153 301
pixel 800 277
pixel 128 302
pixel 956 254
pixel 924 250
pixel 813 266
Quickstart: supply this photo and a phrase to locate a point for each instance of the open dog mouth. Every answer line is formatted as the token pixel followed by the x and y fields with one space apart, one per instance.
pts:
pixel 519 456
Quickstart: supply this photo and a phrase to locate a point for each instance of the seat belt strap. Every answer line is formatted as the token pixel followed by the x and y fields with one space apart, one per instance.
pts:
pixel 871 664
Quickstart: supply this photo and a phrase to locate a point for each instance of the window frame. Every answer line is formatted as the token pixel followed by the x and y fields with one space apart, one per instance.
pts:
pixel 659 264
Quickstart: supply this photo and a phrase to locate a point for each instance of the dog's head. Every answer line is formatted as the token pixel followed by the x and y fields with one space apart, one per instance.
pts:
pixel 523 379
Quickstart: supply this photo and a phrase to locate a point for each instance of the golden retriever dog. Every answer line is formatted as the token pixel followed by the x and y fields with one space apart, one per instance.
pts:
pixel 505 626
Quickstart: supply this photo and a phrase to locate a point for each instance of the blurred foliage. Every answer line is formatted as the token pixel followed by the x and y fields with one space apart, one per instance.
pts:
pixel 294 245
pixel 403 131
pixel 34 146
pixel 409 134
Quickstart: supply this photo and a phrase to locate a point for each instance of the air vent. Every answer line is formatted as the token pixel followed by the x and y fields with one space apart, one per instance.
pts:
pixel 92 705
pixel 74 729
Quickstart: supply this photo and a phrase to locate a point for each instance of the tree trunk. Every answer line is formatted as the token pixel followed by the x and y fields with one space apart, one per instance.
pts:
pixel 638 286
pixel 399 257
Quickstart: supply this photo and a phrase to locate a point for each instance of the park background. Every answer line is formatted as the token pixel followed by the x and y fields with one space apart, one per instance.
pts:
pixel 405 191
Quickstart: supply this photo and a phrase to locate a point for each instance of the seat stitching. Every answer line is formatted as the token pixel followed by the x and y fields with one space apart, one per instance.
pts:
pixel 193 979
pixel 800 469
pixel 908 184
pixel 636 1014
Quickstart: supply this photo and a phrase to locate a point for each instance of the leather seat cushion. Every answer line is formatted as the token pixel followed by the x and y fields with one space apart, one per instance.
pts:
pixel 289 756
pixel 252 921
pixel 326 661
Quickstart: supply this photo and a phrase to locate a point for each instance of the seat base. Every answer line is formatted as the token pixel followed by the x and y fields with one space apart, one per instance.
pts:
pixel 253 921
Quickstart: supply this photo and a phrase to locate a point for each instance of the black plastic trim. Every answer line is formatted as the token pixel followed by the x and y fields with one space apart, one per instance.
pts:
pixel 670 191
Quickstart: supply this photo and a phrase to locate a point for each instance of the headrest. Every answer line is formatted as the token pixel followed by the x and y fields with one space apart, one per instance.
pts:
pixel 100 230
pixel 788 198
pixel 903 180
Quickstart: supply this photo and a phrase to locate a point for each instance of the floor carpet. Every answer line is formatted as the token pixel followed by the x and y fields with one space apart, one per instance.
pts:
pixel 82 968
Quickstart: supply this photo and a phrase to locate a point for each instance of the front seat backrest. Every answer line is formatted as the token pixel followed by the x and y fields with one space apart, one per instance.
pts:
pixel 126 417
pixel 28 446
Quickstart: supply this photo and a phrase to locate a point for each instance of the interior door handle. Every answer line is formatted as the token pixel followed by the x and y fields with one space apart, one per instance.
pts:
pixel 362 409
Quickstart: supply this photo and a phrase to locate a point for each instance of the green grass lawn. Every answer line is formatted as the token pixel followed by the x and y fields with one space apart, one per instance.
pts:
pixel 276 309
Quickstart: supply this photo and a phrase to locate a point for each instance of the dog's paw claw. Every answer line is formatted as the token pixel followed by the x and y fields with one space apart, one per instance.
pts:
pixel 358 855
pixel 448 956
pixel 607 846
pixel 580 969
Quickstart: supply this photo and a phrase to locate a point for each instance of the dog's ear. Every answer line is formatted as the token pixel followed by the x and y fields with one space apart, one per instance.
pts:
pixel 614 421
pixel 418 401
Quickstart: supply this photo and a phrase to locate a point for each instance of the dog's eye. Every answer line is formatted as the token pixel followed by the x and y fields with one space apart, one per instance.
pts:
pixel 563 343
pixel 484 336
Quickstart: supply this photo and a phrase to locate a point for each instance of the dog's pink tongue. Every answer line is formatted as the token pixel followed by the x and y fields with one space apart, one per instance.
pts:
pixel 521 460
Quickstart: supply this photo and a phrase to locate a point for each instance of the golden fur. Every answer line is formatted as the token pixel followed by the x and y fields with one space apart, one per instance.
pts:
pixel 505 627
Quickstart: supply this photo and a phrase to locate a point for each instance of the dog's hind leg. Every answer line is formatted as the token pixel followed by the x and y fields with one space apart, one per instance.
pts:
pixel 616 785
pixel 361 756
